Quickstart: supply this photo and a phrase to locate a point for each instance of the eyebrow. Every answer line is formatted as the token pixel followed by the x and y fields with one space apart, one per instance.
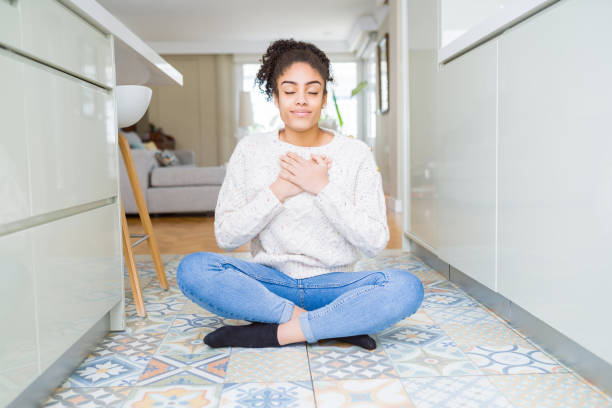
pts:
pixel 295 83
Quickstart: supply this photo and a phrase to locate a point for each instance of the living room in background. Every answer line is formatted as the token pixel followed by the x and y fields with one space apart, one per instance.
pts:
pixel 200 114
pixel 345 74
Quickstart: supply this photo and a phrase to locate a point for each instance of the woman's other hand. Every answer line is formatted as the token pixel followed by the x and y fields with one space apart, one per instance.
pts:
pixel 321 159
pixel 283 188
pixel 311 175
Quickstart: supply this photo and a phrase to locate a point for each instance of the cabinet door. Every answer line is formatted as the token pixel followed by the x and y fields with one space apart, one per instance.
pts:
pixel 10 23
pixel 77 262
pixel 18 347
pixel 466 178
pixel 72 140
pixel 55 34
pixel 14 183
pixel 555 169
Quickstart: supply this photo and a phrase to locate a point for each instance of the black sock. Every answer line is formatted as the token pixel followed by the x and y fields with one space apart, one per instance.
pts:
pixel 252 335
pixel 361 340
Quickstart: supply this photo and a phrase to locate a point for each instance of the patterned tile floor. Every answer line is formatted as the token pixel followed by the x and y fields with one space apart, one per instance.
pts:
pixel 453 352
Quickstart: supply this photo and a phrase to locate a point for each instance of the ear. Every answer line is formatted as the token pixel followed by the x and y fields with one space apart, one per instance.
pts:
pixel 324 99
pixel 275 98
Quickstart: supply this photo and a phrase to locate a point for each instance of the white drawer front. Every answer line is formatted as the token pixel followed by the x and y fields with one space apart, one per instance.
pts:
pixel 466 171
pixel 77 261
pixel 14 184
pixel 10 24
pixel 55 34
pixel 72 140
pixel 18 348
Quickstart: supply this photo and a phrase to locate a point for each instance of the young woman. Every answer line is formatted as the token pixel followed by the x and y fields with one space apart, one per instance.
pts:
pixel 309 200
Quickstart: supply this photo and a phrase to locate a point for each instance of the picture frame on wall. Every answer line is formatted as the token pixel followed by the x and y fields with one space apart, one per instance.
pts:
pixel 382 52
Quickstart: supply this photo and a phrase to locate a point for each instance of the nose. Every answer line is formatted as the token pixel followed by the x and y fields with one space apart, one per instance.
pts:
pixel 301 98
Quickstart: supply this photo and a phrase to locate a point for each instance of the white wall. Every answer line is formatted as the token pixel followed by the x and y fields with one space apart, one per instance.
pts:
pixel 391 134
pixel 424 141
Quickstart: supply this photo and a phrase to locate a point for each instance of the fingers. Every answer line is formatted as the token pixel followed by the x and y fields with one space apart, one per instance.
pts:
pixel 295 157
pixel 285 175
pixel 321 159
pixel 287 164
pixel 318 160
pixel 290 161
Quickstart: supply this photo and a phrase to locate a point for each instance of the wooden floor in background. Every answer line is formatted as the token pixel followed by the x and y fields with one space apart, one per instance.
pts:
pixel 186 234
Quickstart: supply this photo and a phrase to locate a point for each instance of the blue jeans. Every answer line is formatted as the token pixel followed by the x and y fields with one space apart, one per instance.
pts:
pixel 338 304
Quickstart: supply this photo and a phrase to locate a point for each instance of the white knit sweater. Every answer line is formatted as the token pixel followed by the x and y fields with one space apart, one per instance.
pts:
pixel 308 234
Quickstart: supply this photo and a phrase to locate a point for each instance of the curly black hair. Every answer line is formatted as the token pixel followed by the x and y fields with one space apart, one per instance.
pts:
pixel 281 54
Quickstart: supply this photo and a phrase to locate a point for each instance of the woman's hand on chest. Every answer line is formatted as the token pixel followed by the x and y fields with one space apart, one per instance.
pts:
pixel 310 175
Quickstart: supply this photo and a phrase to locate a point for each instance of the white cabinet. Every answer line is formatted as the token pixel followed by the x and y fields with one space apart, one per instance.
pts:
pixel 466 177
pixel 78 276
pixel 48 31
pixel 14 180
pixel 10 23
pixel 60 252
pixel 72 141
pixel 19 354
pixel 555 169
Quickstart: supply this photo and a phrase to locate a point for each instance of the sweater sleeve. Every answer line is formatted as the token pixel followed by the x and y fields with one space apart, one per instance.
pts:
pixel 237 219
pixel 363 222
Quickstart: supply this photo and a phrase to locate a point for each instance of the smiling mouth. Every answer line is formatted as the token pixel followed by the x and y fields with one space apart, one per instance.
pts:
pixel 300 114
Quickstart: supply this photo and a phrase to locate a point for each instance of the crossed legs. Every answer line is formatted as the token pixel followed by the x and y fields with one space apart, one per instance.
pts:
pixel 344 305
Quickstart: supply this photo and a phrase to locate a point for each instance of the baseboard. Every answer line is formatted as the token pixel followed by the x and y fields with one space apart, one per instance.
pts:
pixel 39 391
pixel 588 365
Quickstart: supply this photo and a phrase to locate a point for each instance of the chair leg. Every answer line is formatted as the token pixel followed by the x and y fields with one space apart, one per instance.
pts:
pixel 131 265
pixel 142 210
pixel 152 241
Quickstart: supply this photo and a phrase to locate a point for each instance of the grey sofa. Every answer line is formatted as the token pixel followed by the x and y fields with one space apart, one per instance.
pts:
pixel 184 188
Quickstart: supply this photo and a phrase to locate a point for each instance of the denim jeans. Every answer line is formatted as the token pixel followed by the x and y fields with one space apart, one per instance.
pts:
pixel 338 304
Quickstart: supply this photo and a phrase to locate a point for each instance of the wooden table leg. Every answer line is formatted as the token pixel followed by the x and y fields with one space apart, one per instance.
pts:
pixel 142 210
pixel 131 265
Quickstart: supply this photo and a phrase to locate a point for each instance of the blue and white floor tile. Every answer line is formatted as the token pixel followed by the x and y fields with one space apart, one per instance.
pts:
pixel 454 392
pixel 296 394
pixel 453 352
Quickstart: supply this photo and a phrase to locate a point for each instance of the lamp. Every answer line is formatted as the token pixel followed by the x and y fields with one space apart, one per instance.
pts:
pixel 245 114
pixel 132 103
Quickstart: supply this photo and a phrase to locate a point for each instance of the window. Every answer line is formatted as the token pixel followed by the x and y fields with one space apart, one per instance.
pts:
pixel 345 78
pixel 265 114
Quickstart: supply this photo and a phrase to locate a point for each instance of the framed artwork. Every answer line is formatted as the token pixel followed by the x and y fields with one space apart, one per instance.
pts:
pixel 382 52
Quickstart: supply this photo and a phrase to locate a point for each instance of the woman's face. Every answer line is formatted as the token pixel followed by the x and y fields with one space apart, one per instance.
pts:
pixel 300 96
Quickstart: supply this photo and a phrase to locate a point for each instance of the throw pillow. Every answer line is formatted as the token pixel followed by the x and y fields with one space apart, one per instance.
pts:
pixel 166 158
pixel 134 140
pixel 151 146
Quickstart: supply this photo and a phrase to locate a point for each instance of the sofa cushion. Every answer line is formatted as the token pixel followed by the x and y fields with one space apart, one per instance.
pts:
pixel 133 140
pixel 167 158
pixel 187 176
